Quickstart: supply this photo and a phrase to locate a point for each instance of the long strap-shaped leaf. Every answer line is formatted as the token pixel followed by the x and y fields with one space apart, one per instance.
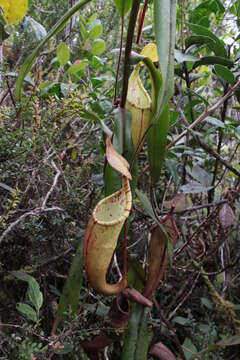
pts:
pixel 165 29
pixel 137 336
pixel 72 287
pixel 26 67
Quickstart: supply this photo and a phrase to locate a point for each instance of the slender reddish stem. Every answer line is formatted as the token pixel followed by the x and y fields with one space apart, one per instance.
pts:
pixel 125 250
pixel 142 21
pixel 119 60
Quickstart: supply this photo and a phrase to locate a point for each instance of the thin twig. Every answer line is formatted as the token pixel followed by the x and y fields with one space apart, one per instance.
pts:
pixel 205 114
pixel 35 212
pixel 185 298
pixel 139 35
pixel 119 60
pixel 169 326
pixel 128 49
pixel 53 185
pixel 206 147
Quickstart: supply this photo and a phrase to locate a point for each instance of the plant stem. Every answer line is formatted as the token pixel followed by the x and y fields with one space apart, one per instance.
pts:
pixel 205 114
pixel 171 329
pixel 128 49
pixel 141 22
pixel 223 115
pixel 119 60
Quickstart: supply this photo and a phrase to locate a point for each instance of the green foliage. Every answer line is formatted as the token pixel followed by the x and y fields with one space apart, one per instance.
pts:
pixel 123 6
pixel 34 296
pixel 55 30
pixel 72 287
pixel 63 54
pixel 137 336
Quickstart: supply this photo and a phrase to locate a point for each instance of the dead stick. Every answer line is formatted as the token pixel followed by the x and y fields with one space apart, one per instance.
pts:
pixel 205 114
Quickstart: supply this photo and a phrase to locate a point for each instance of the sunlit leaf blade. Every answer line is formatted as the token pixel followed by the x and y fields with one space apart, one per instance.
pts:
pixel 26 67
pixel 71 291
pixel 165 30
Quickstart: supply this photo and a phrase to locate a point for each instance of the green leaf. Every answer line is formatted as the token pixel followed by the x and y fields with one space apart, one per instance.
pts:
pixel 149 210
pixel 156 143
pixel 76 67
pixel 73 284
pixel 21 275
pixel 34 294
pixel 123 6
pixel 26 67
pixel 206 302
pixel 63 53
pixel 224 74
pixel 137 337
pixel 112 179
pixel 28 311
pixel 201 30
pixel 215 122
pixel 98 47
pixel 181 320
pixel 135 270
pixel 200 40
pixel 212 60
pixel 129 151
pixel 189 348
pixel 165 30
pixel 95 29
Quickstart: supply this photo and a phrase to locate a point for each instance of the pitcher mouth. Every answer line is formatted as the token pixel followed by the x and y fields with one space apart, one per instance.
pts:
pixel 110 207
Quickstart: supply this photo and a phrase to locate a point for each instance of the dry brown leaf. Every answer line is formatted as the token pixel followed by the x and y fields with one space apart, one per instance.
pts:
pixel 161 352
pixel 116 160
pixel 226 215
